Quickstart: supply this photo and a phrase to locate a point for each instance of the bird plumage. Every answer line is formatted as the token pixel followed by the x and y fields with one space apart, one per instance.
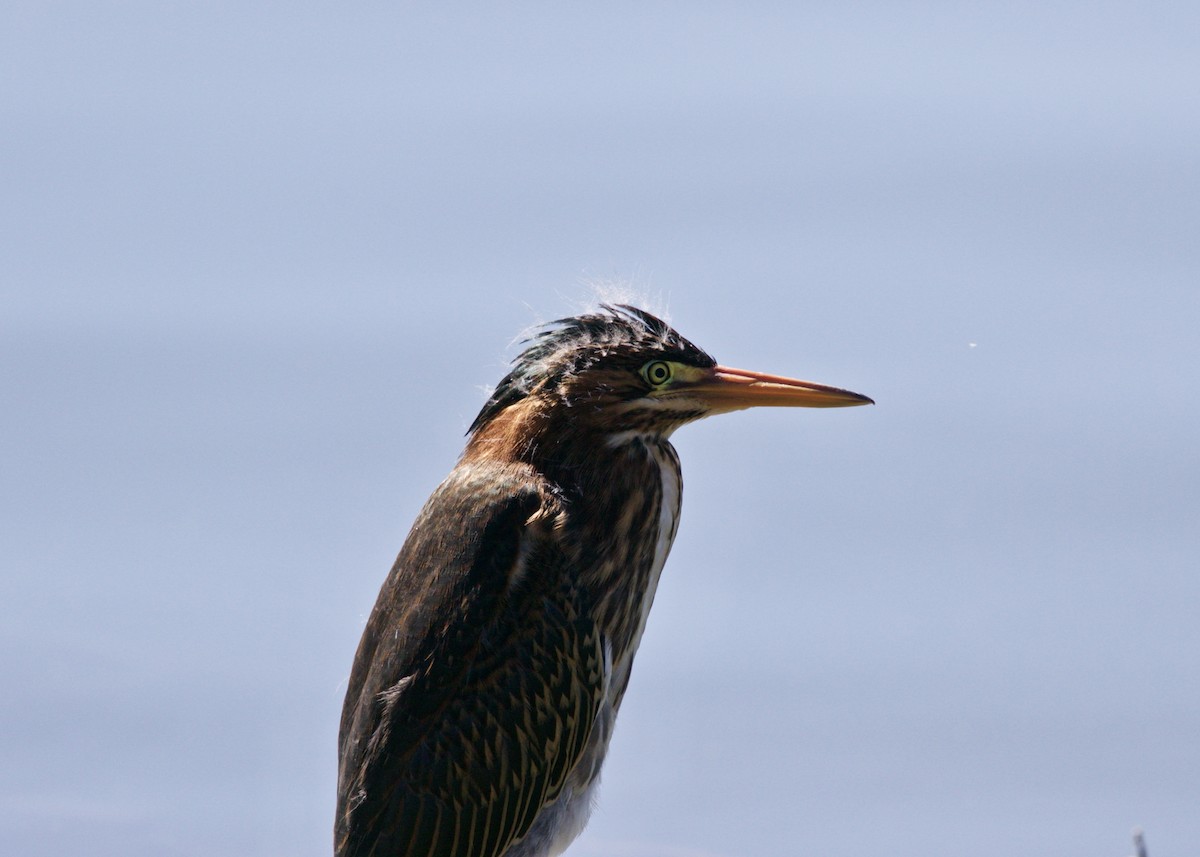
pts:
pixel 484 690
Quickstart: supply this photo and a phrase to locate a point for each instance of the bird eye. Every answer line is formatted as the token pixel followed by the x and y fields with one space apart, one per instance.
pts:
pixel 657 372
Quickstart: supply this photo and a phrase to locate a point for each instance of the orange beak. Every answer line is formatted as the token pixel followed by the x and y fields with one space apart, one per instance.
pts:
pixel 726 389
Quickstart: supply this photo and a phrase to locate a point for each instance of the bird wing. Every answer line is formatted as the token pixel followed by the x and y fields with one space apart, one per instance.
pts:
pixel 477 681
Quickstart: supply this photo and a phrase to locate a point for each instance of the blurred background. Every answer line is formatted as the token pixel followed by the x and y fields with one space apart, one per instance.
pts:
pixel 261 263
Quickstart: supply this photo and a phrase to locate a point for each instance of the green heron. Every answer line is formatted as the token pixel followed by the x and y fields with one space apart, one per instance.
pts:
pixel 484 691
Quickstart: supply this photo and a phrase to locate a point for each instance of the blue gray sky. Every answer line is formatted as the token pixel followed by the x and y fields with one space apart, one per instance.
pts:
pixel 260 263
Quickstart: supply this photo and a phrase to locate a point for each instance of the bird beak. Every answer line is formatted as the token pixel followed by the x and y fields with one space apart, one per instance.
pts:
pixel 726 389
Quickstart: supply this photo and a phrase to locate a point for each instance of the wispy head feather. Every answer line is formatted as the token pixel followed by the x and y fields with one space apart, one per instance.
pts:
pixel 568 346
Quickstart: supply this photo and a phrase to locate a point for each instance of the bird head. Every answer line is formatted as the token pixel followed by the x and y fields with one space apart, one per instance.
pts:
pixel 623 372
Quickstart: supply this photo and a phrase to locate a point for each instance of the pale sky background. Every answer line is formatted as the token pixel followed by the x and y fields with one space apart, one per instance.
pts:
pixel 260 264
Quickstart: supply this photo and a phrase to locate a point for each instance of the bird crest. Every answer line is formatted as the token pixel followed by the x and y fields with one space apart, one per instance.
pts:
pixel 568 346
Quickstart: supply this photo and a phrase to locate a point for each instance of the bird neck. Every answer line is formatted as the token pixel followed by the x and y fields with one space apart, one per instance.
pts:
pixel 575 447
pixel 620 492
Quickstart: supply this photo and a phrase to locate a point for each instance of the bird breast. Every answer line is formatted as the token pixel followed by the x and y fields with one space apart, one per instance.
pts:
pixel 648 519
pixel 645 523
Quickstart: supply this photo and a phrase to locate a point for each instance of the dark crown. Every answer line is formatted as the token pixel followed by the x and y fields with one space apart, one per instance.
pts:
pixel 569 346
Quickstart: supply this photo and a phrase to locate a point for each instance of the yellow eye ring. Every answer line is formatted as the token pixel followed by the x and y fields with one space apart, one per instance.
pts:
pixel 657 372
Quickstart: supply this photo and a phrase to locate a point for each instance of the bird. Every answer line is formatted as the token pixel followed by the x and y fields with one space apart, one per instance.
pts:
pixel 484 690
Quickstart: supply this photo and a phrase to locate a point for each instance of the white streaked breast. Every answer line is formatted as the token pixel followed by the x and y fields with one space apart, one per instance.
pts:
pixel 668 524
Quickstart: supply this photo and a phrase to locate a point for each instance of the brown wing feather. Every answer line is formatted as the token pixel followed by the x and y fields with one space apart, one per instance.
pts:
pixel 476 683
